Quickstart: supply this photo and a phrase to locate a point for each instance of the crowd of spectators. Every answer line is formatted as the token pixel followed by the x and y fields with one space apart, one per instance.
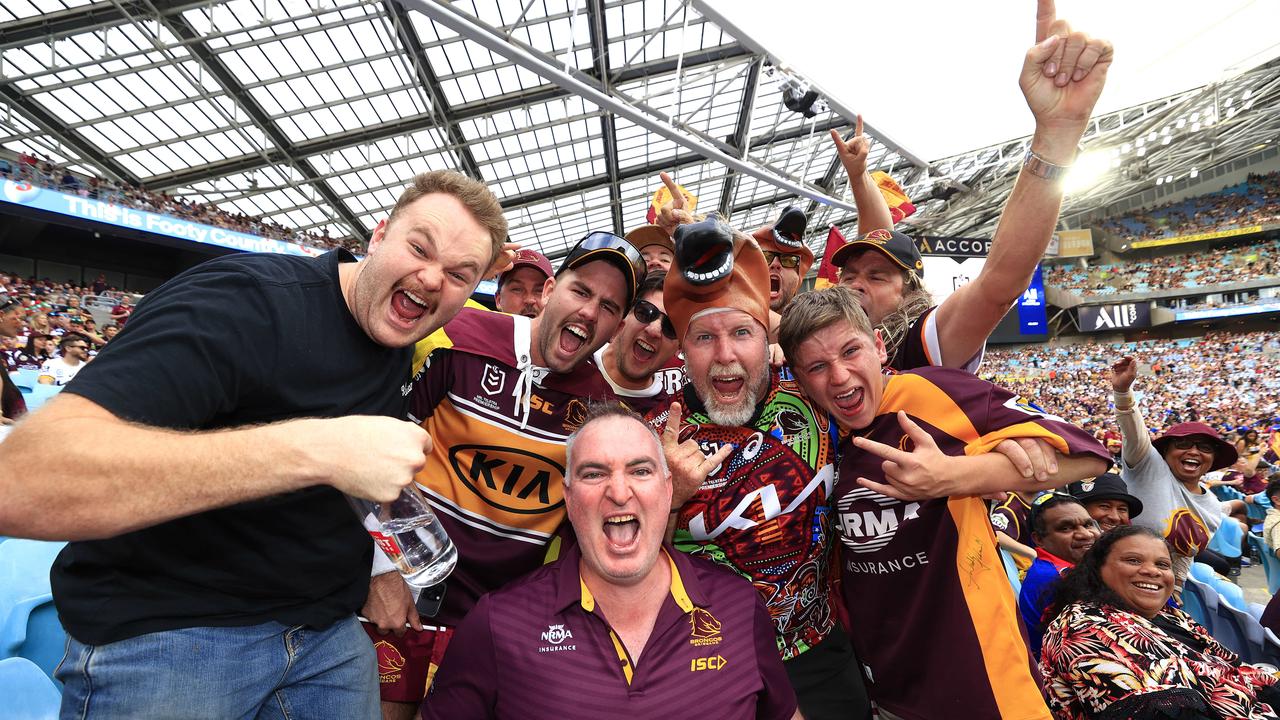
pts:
pixel 40 171
pixel 1255 201
pixel 1211 266
pixel 1229 380
pixel 56 317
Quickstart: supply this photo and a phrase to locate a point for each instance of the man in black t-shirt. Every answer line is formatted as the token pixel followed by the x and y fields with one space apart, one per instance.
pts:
pixel 216 568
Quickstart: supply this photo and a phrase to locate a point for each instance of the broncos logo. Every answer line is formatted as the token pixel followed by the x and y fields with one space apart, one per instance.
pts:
pixel 704 628
pixel 1186 532
pixel 389 658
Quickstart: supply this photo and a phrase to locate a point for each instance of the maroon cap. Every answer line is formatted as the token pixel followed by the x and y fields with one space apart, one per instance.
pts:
pixel 528 258
pixel 1224 456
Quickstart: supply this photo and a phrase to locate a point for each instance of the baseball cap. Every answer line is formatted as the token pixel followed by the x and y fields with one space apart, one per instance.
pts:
pixel 528 258
pixel 610 247
pixel 7 301
pixel 714 268
pixel 899 248
pixel 1107 486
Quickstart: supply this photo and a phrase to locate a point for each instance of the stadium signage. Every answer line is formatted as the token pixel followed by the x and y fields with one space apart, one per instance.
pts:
pixel 1114 317
pixel 954 246
pixel 1070 243
pixel 1158 242
pixel 27 195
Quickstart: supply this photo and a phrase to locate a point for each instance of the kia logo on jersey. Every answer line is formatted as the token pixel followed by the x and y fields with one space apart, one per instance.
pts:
pixel 516 481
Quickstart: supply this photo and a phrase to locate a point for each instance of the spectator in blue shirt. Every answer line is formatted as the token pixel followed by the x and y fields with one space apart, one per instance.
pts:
pixel 1063 531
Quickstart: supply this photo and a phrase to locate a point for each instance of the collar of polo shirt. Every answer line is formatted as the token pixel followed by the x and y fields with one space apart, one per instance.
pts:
pixel 677 590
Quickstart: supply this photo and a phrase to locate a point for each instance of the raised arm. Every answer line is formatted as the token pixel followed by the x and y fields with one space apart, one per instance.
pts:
pixel 1135 440
pixel 1062 76
pixel 873 210
pixel 119 476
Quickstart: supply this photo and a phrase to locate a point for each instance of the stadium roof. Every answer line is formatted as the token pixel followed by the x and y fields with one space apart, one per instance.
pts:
pixel 314 114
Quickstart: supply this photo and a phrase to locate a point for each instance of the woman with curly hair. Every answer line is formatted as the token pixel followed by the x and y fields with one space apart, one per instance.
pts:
pixel 1115 648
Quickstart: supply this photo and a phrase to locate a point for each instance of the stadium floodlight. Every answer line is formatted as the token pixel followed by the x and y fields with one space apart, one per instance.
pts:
pixel 1159 181
pixel 1088 169
pixel 1195 173
pixel 1195 126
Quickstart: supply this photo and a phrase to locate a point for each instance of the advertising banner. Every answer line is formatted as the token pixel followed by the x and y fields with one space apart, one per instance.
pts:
pixel 1097 318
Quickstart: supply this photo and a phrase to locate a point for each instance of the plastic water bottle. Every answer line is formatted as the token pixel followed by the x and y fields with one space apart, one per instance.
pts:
pixel 411 536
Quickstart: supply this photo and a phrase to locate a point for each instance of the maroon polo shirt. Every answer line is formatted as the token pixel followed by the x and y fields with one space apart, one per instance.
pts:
pixel 542 648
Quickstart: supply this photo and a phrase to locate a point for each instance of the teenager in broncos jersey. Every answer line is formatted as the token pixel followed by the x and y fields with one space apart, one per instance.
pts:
pixel 499 397
pixel 932 616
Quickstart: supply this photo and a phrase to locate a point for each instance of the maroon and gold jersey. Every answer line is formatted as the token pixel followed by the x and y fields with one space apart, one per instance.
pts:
pixel 765 512
pixel 498 426
pixel 922 348
pixel 934 620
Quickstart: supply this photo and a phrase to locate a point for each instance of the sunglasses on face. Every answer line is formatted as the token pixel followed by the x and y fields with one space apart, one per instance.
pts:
pixel 786 260
pixel 1203 446
pixel 646 312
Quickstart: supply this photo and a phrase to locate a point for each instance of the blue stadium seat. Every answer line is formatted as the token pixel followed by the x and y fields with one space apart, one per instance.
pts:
pixel 1196 603
pixel 40 394
pixel 1256 610
pixel 1201 572
pixel 1230 630
pixel 1011 569
pixel 26 693
pixel 25 377
pixel 1229 592
pixel 29 626
pixel 1227 539
pixel 1270 563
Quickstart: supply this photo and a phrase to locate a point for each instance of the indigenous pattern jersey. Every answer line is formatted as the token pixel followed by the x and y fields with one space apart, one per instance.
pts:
pixel 495 474
pixel 766 511
pixel 921 347
pixel 933 618
pixel 1100 661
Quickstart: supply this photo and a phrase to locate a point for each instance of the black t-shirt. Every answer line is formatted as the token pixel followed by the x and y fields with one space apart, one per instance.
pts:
pixel 239 340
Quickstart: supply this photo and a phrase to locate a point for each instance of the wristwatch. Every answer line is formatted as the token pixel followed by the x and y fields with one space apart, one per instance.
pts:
pixel 1040 167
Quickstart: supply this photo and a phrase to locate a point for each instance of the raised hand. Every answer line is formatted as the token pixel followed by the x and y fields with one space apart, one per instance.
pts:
pixel 673 214
pixel 1064 72
pixel 688 465
pixel 1123 373
pixel 920 474
pixel 853 154
pixel 506 258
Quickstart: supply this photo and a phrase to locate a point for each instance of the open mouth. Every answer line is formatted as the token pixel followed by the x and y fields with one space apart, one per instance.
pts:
pixel 408 307
pixel 643 351
pixel 572 338
pixel 850 403
pixel 728 386
pixel 775 286
pixel 622 531
pixel 1191 465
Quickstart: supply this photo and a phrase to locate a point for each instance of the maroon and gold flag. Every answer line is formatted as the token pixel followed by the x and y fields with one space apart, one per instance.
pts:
pixel 828 273
pixel 899 204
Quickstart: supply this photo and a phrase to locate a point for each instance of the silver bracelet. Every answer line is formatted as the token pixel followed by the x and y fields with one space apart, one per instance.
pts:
pixel 1042 168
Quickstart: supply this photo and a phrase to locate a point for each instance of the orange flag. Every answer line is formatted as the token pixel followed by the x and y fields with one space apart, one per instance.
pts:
pixel 899 204
pixel 829 274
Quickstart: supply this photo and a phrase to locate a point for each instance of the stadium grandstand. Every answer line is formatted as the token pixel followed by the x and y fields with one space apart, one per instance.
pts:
pixel 142 138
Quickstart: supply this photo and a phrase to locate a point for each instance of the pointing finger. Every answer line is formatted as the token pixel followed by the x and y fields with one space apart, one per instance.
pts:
pixel 857 128
pixel 677 197
pixel 883 488
pixel 1046 13
pixel 671 433
pixel 841 148
pixel 719 456
pixel 914 431
pixel 887 452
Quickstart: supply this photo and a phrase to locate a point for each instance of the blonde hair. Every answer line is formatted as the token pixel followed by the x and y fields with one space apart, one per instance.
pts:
pixel 473 194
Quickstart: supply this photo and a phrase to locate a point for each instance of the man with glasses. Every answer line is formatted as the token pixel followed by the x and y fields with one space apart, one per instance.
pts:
pixel 499 396
pixel 786 254
pixel 636 362
pixel 61 370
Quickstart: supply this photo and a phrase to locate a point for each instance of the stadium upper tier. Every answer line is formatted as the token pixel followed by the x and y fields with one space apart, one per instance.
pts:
pixel 34 169
pixel 1253 202
pixel 1201 268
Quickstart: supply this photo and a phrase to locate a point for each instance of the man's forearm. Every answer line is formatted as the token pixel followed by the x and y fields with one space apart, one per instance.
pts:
pixel 873 209
pixel 120 476
pixel 993 472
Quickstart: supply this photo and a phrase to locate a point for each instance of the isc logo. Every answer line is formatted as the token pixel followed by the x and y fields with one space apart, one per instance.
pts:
pixel 707 663
pixel 516 481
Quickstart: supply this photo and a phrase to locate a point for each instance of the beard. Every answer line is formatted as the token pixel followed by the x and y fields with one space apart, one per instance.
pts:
pixel 738 413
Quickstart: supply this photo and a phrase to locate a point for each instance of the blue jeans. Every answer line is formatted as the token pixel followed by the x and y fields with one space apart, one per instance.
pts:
pixel 264 672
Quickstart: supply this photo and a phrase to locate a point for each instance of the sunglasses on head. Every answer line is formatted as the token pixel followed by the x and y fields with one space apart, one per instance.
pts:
pixel 786 260
pixel 646 312
pixel 1203 446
